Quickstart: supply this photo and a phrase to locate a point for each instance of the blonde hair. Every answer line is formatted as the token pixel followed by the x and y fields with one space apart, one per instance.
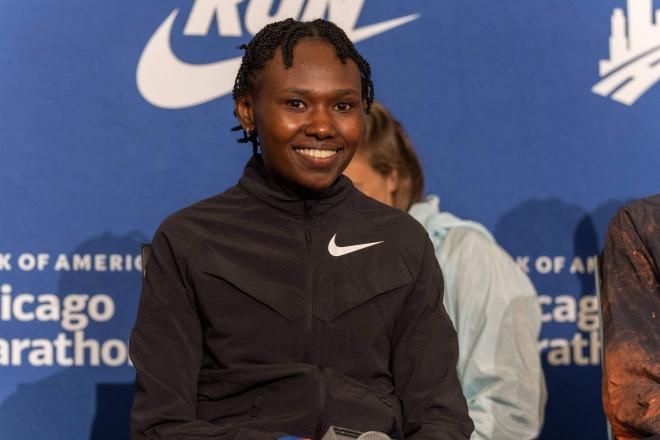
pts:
pixel 388 149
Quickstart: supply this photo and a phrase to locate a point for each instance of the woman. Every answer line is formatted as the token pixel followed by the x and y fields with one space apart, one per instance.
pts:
pixel 491 302
pixel 291 302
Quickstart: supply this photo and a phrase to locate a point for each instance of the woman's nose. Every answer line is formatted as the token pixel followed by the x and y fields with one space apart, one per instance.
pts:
pixel 321 124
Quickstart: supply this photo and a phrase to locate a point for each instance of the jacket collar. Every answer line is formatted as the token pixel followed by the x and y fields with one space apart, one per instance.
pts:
pixel 257 183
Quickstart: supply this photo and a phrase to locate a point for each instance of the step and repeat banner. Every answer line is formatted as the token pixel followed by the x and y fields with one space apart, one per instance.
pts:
pixel 537 118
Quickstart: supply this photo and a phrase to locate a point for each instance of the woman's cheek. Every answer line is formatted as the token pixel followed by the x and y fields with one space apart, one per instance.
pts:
pixel 352 131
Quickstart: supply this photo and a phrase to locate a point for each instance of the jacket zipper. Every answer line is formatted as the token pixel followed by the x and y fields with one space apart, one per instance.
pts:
pixel 309 323
pixel 308 286
pixel 308 330
pixel 321 404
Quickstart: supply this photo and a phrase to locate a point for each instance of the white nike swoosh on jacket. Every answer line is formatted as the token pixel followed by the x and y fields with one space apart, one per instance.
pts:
pixel 338 251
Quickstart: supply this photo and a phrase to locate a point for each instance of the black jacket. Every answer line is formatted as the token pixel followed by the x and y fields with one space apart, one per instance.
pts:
pixel 248 328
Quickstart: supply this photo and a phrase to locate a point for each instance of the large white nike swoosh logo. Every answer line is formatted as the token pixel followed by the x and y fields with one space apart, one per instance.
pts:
pixel 338 251
pixel 166 81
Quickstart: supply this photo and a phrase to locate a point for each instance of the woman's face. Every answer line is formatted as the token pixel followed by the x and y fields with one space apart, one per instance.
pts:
pixel 309 117
pixel 371 182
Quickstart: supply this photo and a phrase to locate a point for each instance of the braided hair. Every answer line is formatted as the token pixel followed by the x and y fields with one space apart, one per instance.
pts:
pixel 286 34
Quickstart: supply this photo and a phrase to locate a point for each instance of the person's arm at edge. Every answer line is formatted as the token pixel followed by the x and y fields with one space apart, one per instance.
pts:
pixel 629 296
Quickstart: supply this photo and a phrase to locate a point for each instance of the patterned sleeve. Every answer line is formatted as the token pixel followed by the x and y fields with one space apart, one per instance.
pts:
pixel 630 299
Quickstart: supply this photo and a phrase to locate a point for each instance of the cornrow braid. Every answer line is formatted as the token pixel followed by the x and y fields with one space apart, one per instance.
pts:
pixel 286 34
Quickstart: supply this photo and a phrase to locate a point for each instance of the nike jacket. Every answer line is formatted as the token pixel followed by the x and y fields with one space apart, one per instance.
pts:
pixel 264 314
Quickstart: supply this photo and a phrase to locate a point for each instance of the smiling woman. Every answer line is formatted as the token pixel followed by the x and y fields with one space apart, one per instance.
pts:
pixel 308 118
pixel 292 302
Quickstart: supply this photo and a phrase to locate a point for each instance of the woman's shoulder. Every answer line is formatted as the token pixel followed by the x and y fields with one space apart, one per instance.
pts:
pixel 397 226
pixel 193 223
pixel 440 223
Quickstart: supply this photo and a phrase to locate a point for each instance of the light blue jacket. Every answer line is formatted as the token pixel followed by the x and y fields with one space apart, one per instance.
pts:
pixel 494 308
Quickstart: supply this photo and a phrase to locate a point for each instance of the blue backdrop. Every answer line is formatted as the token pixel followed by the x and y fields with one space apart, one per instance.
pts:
pixel 536 118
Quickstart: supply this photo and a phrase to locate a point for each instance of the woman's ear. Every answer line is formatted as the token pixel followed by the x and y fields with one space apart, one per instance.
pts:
pixel 392 182
pixel 245 113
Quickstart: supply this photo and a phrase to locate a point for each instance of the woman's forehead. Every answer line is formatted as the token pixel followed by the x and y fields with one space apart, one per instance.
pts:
pixel 314 63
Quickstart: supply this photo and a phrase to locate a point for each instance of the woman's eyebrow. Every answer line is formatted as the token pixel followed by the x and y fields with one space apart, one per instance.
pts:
pixel 342 92
pixel 308 92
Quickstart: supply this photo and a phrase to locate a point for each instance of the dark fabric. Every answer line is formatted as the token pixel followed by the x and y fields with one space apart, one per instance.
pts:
pixel 249 328
pixel 631 305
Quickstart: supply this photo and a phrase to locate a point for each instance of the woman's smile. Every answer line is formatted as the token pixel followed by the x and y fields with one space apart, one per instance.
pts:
pixel 319 156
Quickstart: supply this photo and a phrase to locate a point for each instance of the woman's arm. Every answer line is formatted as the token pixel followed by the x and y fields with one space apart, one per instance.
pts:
pixel 166 349
pixel 425 352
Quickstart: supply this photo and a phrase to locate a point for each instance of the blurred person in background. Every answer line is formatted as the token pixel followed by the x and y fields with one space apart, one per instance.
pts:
pixel 490 301
pixel 630 298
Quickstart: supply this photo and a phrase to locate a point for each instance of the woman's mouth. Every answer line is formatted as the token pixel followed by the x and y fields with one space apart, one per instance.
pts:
pixel 315 153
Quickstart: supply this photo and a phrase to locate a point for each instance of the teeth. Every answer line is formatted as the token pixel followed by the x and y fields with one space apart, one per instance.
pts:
pixel 320 154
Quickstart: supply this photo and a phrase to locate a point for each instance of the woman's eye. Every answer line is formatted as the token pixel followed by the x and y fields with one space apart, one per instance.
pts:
pixel 295 103
pixel 344 106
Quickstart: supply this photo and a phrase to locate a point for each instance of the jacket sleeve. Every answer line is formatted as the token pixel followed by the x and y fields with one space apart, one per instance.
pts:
pixel 498 320
pixel 424 358
pixel 631 305
pixel 166 350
